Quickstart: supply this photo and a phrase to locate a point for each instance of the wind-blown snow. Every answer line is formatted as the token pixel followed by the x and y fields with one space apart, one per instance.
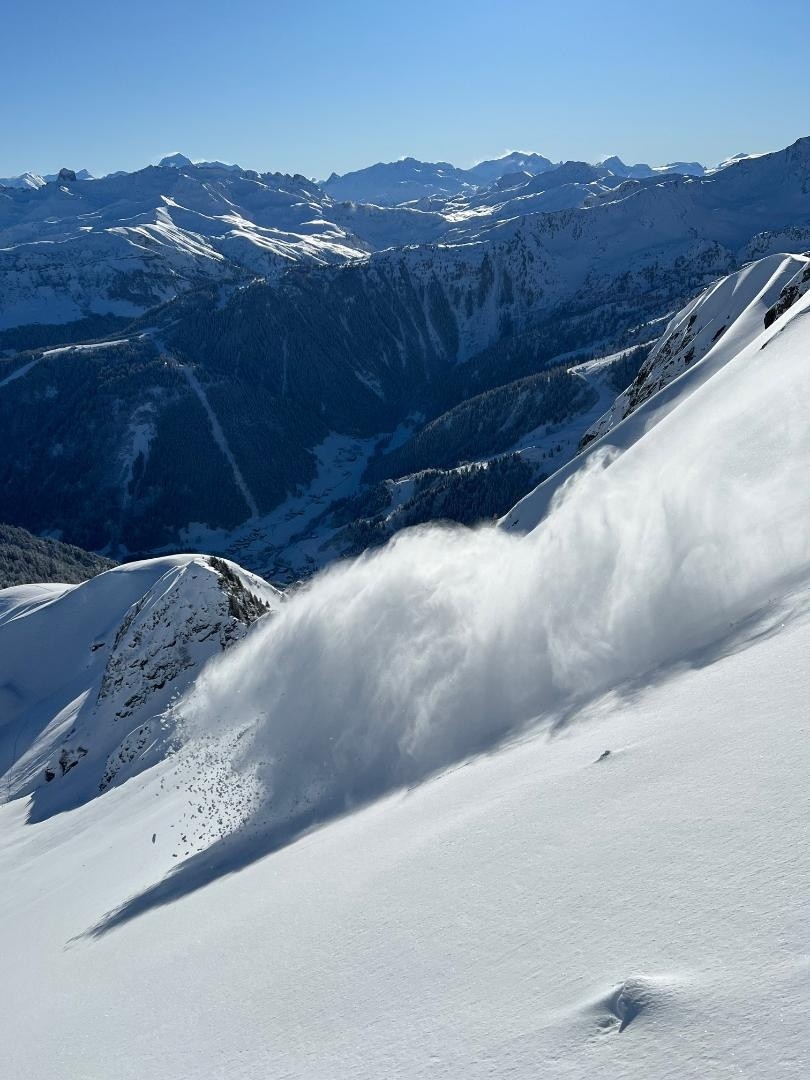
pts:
pixel 445 643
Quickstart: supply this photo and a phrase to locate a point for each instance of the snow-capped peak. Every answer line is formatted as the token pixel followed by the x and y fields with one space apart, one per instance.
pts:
pixel 24 180
pixel 175 161
pixel 88 671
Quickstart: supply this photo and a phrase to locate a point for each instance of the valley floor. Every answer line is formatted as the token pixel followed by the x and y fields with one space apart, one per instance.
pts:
pixel 541 911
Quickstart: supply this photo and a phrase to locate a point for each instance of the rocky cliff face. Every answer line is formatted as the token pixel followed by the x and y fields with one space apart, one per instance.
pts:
pixel 92 729
pixel 192 613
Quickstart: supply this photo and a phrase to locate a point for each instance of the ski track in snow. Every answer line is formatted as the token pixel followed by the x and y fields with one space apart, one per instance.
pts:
pixel 221 440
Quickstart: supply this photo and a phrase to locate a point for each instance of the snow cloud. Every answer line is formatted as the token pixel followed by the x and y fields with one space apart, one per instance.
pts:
pixel 448 641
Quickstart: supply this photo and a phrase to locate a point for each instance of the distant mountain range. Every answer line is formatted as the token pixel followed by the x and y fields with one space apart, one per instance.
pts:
pixel 408 179
pixel 34 180
pixel 74 247
pixel 206 356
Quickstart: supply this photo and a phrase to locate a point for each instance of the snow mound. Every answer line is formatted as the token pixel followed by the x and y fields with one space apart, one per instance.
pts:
pixel 636 995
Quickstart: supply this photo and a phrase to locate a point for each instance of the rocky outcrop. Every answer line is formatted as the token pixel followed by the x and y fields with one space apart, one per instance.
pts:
pixel 191 613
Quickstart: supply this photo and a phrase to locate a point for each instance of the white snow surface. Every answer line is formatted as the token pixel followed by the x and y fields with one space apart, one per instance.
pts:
pixel 443 875
pixel 496 922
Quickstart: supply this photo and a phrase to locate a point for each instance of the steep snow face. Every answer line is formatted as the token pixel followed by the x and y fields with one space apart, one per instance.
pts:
pixel 716 325
pixel 756 303
pixel 539 912
pixel 733 160
pixel 24 180
pixel 86 672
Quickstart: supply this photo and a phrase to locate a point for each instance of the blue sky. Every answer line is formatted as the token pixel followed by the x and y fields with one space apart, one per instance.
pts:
pixel 311 87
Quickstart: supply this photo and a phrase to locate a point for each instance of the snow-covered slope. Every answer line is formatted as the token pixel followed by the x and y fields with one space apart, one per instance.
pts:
pixel 524 804
pixel 487 172
pixel 716 325
pixel 87 670
pixel 692 528
pixel 126 242
pixel 24 180
pixel 509 918
pixel 731 322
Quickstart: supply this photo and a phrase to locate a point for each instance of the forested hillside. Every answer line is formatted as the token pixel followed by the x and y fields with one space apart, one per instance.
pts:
pixel 25 558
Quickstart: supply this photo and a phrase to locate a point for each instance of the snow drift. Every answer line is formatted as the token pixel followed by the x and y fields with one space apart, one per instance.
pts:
pixel 445 643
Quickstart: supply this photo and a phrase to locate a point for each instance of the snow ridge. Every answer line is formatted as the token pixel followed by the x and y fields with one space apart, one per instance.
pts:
pixel 87 672
pixel 716 325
